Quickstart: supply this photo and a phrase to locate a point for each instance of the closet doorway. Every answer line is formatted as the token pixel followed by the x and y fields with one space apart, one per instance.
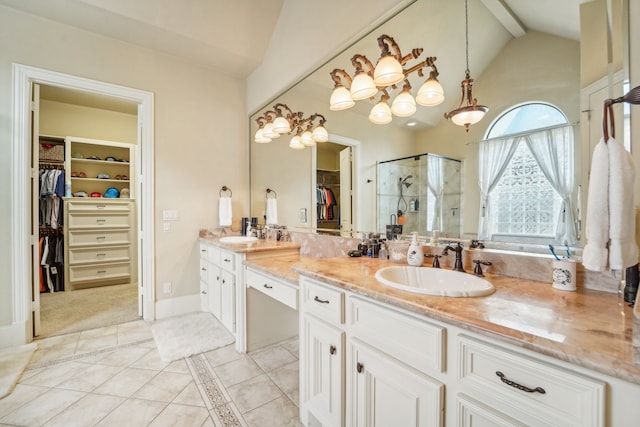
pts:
pixel 27 81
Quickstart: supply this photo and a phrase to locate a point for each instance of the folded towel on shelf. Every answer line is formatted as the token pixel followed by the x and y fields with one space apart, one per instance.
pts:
pixel 623 250
pixel 595 253
pixel 610 227
pixel 272 211
pixel 225 212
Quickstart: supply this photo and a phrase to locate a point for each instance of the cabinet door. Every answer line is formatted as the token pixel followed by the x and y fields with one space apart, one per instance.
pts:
pixel 385 392
pixel 228 301
pixel 215 301
pixel 323 393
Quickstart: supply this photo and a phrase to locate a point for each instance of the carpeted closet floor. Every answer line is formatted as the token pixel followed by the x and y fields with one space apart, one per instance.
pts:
pixel 79 310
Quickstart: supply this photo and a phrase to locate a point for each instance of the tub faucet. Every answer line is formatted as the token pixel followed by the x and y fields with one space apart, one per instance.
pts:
pixel 458 250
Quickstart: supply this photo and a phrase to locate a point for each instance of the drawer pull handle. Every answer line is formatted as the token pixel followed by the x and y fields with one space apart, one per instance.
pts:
pixel 101 220
pixel 204 292
pixel 321 301
pixel 203 269
pixel 203 250
pixel 268 286
pixel 100 206
pixel 101 271
pixel 101 237
pixel 226 260
pixel 519 386
pixel 359 367
pixel 101 254
pixel 332 349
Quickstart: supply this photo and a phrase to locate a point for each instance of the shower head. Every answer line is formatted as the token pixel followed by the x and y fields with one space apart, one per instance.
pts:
pixel 404 181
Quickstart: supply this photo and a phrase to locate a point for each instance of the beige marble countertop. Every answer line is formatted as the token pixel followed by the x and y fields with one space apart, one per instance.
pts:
pixel 259 245
pixel 588 328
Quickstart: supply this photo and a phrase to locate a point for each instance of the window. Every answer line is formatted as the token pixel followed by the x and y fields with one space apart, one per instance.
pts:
pixel 524 204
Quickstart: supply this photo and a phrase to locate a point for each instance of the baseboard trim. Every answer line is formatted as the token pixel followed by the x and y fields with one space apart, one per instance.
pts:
pixel 14 334
pixel 176 306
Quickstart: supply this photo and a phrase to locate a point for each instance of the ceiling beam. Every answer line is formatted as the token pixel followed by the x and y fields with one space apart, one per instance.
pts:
pixel 505 15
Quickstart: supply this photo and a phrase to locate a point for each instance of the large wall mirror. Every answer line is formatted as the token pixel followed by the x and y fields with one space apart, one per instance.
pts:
pixel 517 54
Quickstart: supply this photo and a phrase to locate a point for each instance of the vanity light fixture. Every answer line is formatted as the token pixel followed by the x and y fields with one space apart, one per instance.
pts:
pixel 468 111
pixel 282 119
pixel 369 81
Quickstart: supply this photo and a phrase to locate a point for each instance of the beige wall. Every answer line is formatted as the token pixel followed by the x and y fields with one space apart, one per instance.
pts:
pixel 200 135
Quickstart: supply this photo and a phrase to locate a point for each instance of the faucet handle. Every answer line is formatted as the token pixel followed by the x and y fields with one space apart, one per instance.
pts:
pixel 436 263
pixel 478 270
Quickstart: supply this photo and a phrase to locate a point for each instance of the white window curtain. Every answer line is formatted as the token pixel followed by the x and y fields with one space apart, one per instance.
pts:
pixel 435 182
pixel 494 156
pixel 553 150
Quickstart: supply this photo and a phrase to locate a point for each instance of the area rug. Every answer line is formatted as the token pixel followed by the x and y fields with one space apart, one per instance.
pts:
pixel 13 361
pixel 183 336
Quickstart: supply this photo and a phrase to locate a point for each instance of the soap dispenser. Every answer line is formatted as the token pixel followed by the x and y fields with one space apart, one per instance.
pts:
pixel 415 256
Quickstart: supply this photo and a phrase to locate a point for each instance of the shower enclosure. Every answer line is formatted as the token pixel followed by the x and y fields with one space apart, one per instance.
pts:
pixel 422 193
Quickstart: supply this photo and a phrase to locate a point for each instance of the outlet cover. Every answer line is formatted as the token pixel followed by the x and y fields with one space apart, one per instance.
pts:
pixel 302 215
pixel 166 287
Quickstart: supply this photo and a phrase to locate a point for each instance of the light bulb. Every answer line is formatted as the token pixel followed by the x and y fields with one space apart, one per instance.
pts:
pixel 430 93
pixel 404 105
pixel 388 71
pixel 380 114
pixel 341 99
pixel 320 134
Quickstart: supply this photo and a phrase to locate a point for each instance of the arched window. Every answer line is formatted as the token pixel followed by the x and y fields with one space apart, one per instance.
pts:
pixel 523 204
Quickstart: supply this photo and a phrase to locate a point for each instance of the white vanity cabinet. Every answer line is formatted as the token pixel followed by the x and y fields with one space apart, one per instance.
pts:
pixel 217 284
pixel 350 377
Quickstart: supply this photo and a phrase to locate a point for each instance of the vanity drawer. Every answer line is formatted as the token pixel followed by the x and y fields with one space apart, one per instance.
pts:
pixel 98 237
pixel 227 260
pixel 499 375
pixel 413 341
pixel 97 220
pixel 98 206
pixel 324 302
pixel 276 289
pixel 93 255
pixel 204 251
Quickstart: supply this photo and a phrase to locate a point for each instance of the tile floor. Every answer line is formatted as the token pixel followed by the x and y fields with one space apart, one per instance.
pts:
pixel 113 376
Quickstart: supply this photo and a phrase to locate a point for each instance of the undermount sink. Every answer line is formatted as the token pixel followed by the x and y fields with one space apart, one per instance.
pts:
pixel 238 239
pixel 434 281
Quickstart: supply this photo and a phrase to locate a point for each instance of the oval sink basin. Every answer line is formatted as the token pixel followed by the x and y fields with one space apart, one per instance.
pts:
pixel 238 239
pixel 434 281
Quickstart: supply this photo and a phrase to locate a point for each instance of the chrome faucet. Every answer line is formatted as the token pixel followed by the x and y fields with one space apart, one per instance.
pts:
pixel 458 250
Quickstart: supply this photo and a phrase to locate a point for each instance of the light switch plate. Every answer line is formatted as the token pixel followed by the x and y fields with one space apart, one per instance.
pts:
pixel 170 215
pixel 302 215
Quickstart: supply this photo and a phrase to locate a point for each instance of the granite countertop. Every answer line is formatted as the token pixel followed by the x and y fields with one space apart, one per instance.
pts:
pixel 588 328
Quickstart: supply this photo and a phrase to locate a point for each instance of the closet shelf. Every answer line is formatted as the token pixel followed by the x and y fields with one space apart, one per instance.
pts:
pixel 98 162
pixel 73 178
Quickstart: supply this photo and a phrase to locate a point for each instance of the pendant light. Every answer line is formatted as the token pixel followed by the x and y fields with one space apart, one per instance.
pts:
pixel 468 111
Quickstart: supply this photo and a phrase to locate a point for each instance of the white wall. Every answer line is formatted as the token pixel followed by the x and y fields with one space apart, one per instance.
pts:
pixel 200 135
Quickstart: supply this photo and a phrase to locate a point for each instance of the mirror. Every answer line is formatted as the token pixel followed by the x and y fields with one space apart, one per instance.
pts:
pixel 508 70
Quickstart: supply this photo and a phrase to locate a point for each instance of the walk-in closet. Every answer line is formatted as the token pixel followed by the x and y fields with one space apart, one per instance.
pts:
pixel 85 268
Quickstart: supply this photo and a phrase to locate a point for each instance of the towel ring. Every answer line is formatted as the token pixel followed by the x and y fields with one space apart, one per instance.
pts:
pixel 275 196
pixel 223 189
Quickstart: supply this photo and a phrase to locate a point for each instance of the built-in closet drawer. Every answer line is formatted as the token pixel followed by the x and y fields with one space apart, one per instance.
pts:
pixel 413 341
pixel 99 206
pixel 530 390
pixel 99 220
pixel 97 255
pixel 98 272
pixel 274 288
pixel 98 238
pixel 322 301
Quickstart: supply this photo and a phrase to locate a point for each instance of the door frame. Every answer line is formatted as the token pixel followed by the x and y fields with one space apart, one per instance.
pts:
pixel 23 78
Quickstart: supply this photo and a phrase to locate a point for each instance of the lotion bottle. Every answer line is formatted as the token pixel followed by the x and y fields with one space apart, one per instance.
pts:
pixel 415 256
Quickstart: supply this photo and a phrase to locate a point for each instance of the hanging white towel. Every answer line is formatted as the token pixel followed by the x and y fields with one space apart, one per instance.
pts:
pixel 272 211
pixel 610 227
pixel 595 253
pixel 623 250
pixel 225 213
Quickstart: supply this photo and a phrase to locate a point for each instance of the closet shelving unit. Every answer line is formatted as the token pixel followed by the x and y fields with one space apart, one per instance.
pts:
pixel 331 180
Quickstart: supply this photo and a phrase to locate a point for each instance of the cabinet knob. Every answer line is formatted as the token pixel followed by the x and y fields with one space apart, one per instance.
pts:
pixel 359 367
pixel 332 349
pixel 519 386
pixel 321 301
pixel 268 286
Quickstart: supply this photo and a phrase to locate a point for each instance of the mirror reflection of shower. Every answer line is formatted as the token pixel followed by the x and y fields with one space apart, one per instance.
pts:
pixel 421 193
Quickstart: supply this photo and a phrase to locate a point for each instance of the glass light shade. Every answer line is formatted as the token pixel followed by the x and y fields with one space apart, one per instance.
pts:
pixel 362 87
pixel 388 71
pixel 320 134
pixel 404 105
pixel 341 99
pixel 430 93
pixel 295 143
pixel 260 138
pixel 281 125
pixel 468 115
pixel 307 138
pixel 269 132
pixel 380 114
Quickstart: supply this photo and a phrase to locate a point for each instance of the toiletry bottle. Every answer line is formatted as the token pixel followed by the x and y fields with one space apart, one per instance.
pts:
pixel 415 256
pixel 384 252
